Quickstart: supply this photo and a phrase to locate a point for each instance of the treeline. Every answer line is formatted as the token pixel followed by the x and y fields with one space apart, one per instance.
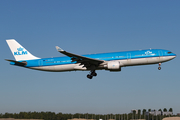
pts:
pixel 62 116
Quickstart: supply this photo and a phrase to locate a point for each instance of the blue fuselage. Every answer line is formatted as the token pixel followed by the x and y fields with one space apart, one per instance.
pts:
pixel 126 58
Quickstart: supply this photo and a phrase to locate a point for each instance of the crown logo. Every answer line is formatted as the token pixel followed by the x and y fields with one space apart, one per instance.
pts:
pixel 148 52
pixel 20 49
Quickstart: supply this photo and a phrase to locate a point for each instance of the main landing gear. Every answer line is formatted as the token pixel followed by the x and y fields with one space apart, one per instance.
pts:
pixel 159 68
pixel 92 73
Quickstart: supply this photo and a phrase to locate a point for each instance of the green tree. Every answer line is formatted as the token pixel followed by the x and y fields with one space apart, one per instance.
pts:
pixel 139 114
pixel 59 116
pixel 170 110
pixel 164 110
pixel 134 114
pixel 144 113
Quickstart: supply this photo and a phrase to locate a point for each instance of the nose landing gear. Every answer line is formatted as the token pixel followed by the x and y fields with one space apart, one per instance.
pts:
pixel 92 73
pixel 159 68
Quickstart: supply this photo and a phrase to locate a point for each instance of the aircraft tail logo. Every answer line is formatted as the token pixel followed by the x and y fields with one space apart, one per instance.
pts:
pixel 19 52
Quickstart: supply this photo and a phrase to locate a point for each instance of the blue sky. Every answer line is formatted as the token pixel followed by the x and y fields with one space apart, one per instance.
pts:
pixel 84 27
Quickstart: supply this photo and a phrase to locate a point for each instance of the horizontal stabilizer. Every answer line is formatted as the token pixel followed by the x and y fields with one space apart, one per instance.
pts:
pixel 24 63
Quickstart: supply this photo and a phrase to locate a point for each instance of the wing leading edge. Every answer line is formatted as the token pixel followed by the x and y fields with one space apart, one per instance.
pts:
pixel 86 61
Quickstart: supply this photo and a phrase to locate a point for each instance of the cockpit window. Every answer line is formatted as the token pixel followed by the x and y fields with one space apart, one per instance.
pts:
pixel 169 52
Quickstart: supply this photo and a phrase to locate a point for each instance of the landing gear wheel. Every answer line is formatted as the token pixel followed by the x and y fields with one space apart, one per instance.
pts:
pixel 159 68
pixel 94 74
pixel 89 76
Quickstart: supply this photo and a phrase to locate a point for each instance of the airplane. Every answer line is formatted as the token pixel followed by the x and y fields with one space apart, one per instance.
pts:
pixel 113 61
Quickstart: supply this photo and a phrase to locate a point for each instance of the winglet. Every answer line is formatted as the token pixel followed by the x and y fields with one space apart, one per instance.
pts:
pixel 59 49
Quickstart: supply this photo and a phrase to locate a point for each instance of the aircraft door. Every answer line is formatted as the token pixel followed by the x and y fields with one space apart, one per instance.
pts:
pixel 128 56
pixel 160 55
pixel 40 62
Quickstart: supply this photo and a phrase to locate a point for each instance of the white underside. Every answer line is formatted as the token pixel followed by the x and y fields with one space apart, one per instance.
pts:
pixel 123 63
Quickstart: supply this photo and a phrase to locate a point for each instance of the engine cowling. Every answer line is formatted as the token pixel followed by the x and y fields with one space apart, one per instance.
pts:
pixel 113 66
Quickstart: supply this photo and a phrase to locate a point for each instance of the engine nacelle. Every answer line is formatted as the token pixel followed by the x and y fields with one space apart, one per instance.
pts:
pixel 113 66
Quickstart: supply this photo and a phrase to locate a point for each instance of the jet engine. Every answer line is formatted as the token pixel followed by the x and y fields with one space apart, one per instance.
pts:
pixel 113 66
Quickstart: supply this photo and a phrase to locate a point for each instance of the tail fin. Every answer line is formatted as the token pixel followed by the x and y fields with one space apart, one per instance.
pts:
pixel 19 52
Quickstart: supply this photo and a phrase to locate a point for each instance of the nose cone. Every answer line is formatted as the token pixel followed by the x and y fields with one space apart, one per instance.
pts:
pixel 174 56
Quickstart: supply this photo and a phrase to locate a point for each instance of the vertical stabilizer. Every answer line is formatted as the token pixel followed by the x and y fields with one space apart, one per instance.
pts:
pixel 19 52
